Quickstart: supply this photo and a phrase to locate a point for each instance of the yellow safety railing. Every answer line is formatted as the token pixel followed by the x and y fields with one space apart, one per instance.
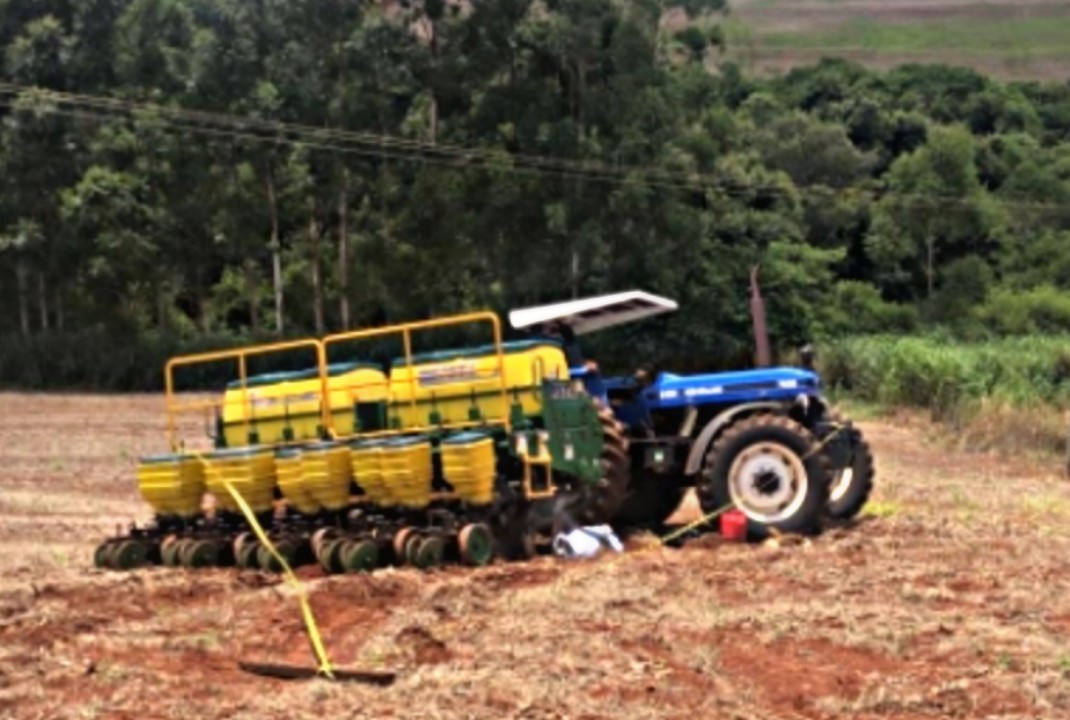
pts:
pixel 241 356
pixel 538 372
pixel 544 459
pixel 326 391
pixel 406 331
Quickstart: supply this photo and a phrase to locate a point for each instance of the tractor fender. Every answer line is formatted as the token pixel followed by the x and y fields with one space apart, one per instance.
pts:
pixel 714 426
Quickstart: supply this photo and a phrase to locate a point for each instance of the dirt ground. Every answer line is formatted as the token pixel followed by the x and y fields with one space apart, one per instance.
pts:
pixel 951 599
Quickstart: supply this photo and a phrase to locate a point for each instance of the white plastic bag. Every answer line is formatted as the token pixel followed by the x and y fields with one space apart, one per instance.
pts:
pixel 586 542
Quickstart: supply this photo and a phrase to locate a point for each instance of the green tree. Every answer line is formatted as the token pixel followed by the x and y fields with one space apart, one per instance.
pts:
pixel 935 212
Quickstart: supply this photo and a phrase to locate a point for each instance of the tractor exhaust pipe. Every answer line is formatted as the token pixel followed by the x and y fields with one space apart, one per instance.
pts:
pixel 757 311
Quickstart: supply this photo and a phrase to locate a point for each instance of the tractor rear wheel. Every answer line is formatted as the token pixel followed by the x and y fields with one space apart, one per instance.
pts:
pixel 616 465
pixel 851 486
pixel 599 505
pixel 771 469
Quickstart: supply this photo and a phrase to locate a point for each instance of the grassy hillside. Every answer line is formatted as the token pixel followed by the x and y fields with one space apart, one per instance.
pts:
pixel 1024 39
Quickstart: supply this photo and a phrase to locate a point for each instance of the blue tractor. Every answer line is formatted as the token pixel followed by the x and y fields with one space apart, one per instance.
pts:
pixel 765 441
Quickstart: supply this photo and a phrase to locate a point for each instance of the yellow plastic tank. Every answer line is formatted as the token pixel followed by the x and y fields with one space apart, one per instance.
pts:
pixel 464 385
pixel 366 461
pixel 282 407
pixel 407 470
pixel 173 485
pixel 291 481
pixel 326 474
pixel 251 471
pixel 469 464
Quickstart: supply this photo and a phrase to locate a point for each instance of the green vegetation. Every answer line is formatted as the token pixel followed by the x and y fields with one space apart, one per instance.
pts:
pixel 940 373
pixel 1009 394
pixel 1002 37
pixel 1022 37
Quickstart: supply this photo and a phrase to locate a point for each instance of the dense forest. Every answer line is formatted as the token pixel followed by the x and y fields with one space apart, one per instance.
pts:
pixel 184 174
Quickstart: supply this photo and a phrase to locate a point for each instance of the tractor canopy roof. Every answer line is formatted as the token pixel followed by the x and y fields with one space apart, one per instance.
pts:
pixel 596 313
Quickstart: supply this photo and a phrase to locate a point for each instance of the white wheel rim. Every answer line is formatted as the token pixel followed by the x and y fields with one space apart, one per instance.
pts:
pixel 768 482
pixel 842 482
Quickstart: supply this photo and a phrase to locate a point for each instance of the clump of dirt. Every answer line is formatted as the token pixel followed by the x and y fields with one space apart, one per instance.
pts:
pixel 422 645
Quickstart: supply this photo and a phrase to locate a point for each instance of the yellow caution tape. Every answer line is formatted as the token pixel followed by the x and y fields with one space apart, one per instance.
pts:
pixel 839 427
pixel 302 594
pixel 696 523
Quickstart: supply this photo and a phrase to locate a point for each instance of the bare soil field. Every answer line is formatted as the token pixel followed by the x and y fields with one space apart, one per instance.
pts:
pixel 1019 39
pixel 950 599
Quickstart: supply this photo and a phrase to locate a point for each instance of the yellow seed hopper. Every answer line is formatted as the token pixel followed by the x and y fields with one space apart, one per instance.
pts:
pixel 285 407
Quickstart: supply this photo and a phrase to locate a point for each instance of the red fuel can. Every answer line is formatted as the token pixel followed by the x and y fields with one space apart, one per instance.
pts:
pixel 734 526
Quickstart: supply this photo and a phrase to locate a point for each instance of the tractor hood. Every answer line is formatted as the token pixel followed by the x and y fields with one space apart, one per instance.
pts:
pixel 777 383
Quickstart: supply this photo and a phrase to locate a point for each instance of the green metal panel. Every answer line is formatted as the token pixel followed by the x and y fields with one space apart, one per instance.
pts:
pixel 575 432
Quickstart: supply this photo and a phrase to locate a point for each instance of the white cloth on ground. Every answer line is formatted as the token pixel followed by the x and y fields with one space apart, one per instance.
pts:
pixel 587 541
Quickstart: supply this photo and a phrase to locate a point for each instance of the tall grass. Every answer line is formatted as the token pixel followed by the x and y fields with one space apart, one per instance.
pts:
pixel 933 373
pixel 994 391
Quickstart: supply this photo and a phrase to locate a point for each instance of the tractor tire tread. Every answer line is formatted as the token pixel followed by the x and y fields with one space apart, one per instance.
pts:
pixel 616 466
pixel 809 520
pixel 862 479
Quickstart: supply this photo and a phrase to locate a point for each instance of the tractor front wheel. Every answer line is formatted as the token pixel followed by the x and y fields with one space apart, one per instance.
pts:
pixel 771 469
pixel 851 485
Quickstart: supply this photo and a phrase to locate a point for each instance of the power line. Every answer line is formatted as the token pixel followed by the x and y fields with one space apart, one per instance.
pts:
pixel 362 138
pixel 242 128
pixel 819 192
pixel 382 153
